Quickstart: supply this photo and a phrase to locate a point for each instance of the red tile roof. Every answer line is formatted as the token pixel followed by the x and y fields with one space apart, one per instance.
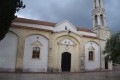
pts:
pixel 26 27
pixel 90 37
pixel 30 21
pixel 83 29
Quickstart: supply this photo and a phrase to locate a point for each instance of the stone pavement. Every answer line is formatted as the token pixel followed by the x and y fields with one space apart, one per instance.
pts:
pixel 108 75
pixel 117 67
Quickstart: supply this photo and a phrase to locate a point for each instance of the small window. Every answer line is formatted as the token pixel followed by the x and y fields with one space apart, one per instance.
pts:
pixel 95 3
pixel 100 3
pixel 36 53
pixel 65 27
pixel 96 20
pixel 91 56
pixel 102 19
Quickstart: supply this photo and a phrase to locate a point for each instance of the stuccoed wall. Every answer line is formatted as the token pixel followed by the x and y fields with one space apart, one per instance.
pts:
pixel 54 48
pixel 23 33
pixel 95 64
pixel 35 65
pixel 8 51
pixel 77 51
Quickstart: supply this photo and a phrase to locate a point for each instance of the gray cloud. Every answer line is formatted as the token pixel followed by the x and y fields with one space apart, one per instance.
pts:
pixel 78 12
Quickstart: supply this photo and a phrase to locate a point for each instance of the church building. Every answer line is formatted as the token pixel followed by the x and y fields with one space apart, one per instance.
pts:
pixel 40 46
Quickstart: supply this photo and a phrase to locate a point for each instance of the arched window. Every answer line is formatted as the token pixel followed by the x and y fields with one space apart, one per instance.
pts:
pixel 96 20
pixel 100 3
pixel 36 53
pixel 102 19
pixel 95 3
pixel 91 55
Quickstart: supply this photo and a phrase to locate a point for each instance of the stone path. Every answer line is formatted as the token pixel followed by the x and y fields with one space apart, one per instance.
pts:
pixel 110 75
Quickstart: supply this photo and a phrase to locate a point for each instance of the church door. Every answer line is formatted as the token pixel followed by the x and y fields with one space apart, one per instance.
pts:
pixel 106 63
pixel 66 61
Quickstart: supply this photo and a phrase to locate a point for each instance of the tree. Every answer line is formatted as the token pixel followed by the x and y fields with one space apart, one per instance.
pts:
pixel 8 8
pixel 112 49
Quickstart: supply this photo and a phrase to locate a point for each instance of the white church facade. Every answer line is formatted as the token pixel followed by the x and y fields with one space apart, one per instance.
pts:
pixel 40 46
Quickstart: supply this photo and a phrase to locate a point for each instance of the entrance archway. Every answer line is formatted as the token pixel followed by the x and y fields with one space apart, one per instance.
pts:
pixel 106 63
pixel 66 61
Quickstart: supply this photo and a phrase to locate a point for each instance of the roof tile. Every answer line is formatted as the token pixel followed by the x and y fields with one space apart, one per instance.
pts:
pixel 45 23
pixel 30 21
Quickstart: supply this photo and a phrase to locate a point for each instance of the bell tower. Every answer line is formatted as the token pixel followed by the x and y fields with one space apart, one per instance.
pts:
pixel 101 29
pixel 98 14
pixel 99 21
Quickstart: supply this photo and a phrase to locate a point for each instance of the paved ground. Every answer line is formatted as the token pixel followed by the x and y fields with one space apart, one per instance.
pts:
pixel 107 75
pixel 117 67
pixel 111 75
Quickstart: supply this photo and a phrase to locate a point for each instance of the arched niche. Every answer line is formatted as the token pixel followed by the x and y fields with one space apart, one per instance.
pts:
pixel 31 64
pixel 102 19
pixel 92 49
pixel 96 20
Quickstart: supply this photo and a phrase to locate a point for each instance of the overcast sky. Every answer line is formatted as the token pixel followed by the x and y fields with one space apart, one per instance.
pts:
pixel 78 12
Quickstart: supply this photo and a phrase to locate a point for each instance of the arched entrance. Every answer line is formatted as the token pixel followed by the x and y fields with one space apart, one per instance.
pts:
pixel 106 63
pixel 66 61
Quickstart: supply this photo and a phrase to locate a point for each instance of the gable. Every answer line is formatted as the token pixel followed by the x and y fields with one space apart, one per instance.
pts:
pixel 65 25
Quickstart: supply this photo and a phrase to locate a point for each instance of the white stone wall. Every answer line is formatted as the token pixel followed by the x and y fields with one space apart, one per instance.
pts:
pixel 8 51
pixel 95 64
pixel 35 65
